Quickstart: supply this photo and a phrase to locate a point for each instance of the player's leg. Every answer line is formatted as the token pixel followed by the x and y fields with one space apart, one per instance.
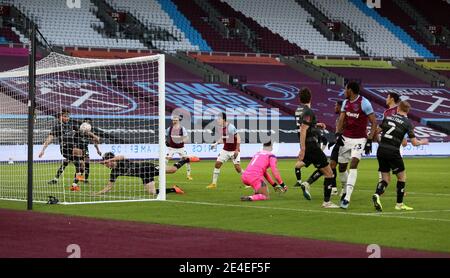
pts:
pixel 327 185
pixel 298 172
pixel 173 169
pixel 223 157
pixel 59 172
pixel 183 153
pixel 87 168
pixel 401 182
pixel 384 168
pixel 298 167
pixel 169 155
pixel 344 155
pixel 356 154
pixel 261 192
pixel 237 163
pixel 313 177
pixel 77 158
pixel 333 165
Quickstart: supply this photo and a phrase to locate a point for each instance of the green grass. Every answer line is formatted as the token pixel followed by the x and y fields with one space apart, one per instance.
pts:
pixel 425 228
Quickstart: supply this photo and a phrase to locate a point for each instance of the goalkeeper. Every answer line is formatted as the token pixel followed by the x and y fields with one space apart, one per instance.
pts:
pixel 145 170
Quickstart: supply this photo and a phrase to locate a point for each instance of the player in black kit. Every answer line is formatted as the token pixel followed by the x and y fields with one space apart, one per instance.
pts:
pixel 310 151
pixel 66 133
pixel 87 138
pixel 145 170
pixel 394 128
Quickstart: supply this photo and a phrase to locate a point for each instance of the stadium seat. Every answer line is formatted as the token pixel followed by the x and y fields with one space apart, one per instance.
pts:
pixel 288 19
pixel 63 26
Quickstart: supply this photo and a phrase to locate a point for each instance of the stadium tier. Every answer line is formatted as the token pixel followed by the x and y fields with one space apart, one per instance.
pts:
pixel 200 21
pixel 394 13
pixel 12 57
pixel 288 19
pixel 267 26
pixel 266 40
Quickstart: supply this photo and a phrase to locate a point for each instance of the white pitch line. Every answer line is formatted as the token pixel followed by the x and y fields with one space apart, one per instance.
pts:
pixel 356 189
pixel 374 214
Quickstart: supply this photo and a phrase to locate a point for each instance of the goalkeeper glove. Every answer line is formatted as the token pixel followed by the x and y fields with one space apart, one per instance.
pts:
pixel 368 147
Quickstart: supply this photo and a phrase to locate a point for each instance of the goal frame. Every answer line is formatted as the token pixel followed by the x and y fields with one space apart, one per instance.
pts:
pixel 32 73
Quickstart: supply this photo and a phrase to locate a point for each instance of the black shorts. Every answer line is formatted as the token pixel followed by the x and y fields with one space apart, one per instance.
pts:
pixel 390 160
pixel 67 152
pixel 335 153
pixel 314 155
pixel 149 173
pixel 85 153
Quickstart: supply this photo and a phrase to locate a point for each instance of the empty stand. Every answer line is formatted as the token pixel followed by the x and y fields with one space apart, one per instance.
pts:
pixel 199 20
pixel 288 19
pixel 69 27
pixel 436 11
pixel 267 41
pixel 379 41
pixel 151 14
pixel 394 13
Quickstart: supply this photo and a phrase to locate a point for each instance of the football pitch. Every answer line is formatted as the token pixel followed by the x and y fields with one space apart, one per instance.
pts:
pixel 425 228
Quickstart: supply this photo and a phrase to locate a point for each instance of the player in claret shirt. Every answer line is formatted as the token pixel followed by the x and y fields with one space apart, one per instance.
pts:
pixel 351 134
pixel 231 141
pixel 256 172
pixel 176 138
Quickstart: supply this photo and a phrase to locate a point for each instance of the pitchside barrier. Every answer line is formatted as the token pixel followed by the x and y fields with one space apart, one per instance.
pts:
pixel 13 154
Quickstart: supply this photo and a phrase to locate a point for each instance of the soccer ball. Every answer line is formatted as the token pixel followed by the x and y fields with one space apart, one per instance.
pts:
pixel 85 127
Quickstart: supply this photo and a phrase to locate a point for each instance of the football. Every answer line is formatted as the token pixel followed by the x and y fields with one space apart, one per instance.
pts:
pixel 85 127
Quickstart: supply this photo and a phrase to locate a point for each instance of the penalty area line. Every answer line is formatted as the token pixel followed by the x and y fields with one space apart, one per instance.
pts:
pixel 324 211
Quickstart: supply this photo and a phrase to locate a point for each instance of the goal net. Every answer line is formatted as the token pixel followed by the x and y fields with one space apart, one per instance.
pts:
pixel 109 159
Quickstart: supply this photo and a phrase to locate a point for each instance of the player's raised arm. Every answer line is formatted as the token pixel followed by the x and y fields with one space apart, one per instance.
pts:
pixel 47 142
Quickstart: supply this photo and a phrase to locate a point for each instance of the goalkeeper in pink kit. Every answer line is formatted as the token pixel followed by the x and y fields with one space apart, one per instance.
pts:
pixel 256 172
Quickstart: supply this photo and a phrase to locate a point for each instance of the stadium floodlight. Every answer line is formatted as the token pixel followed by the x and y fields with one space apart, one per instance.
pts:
pixel 124 100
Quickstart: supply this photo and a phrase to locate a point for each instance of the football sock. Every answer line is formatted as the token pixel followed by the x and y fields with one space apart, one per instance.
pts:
pixel 314 176
pixel 188 169
pixel 298 175
pixel 77 163
pixel 180 163
pixel 334 177
pixel 343 176
pixel 400 191
pixel 327 184
pixel 216 174
pixel 61 169
pixel 86 170
pixel 381 187
pixel 351 180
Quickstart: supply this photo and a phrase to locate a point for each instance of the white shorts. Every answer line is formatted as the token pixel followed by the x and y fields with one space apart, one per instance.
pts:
pixel 224 156
pixel 181 152
pixel 353 148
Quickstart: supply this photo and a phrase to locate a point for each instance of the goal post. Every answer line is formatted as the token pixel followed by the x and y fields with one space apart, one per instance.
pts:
pixel 123 100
